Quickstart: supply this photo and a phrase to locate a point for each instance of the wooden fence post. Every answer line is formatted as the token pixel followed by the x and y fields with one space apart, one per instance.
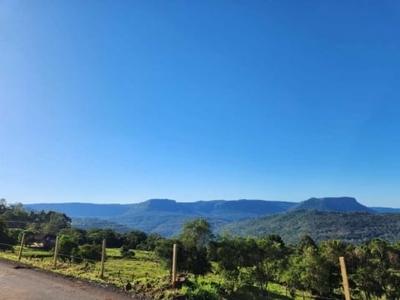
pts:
pixel 55 253
pixel 174 263
pixel 103 258
pixel 344 278
pixel 22 246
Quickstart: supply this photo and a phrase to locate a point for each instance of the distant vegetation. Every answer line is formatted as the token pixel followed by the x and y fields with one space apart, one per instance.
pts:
pixel 354 227
pixel 164 216
pixel 339 204
pixel 233 267
pixel 321 218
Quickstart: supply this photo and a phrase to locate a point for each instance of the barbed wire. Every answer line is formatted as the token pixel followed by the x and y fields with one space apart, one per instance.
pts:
pixel 71 259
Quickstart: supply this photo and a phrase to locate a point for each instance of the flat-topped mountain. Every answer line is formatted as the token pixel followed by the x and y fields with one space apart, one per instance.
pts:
pixel 339 204
pixel 242 209
pixel 166 216
pixel 82 210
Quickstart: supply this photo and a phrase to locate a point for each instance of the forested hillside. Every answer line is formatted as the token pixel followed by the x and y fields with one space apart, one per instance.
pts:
pixel 278 249
pixel 355 227
pixel 342 204
pixel 164 216
pixel 322 218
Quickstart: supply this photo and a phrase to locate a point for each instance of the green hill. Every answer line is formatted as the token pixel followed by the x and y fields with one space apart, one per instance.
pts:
pixel 166 216
pixel 321 218
pixel 353 227
pixel 340 204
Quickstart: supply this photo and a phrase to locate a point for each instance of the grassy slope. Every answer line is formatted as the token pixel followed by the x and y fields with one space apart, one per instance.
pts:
pixel 144 272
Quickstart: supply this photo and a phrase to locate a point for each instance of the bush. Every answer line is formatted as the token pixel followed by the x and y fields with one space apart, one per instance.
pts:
pixel 90 252
pixel 5 240
pixel 201 292
pixel 67 248
pixel 126 252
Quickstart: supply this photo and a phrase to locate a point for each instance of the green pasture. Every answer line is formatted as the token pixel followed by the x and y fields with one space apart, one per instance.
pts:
pixel 144 272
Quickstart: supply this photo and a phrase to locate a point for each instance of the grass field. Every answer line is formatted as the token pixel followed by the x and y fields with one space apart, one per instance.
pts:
pixel 144 272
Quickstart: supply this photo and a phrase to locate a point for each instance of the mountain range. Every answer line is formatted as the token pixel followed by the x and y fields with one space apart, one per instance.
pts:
pixel 166 216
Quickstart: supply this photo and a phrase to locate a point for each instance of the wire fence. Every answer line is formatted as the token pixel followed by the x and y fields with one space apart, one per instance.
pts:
pixel 107 268
pixel 36 253
pixel 94 269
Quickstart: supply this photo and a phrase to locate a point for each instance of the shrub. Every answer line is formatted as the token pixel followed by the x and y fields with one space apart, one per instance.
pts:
pixel 67 248
pixel 90 252
pixel 126 252
pixel 201 292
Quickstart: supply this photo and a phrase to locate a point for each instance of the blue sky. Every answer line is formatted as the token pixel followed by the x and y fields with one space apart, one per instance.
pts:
pixel 122 101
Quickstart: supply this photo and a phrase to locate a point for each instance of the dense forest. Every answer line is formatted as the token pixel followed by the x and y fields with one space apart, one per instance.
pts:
pixel 353 227
pixel 248 265
pixel 322 218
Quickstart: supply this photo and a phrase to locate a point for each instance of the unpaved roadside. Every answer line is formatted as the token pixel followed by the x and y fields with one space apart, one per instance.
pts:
pixel 19 282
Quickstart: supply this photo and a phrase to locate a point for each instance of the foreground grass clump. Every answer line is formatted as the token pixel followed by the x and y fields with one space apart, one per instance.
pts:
pixel 201 291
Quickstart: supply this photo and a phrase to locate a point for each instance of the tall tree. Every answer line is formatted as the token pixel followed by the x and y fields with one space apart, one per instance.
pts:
pixel 330 252
pixel 134 239
pixel 56 222
pixel 196 233
pixel 3 205
pixel 5 240
pixel 194 237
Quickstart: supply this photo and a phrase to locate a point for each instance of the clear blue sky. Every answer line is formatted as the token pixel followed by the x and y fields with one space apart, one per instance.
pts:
pixel 122 101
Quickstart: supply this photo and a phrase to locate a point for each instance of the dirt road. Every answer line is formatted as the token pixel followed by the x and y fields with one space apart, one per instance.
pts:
pixel 20 283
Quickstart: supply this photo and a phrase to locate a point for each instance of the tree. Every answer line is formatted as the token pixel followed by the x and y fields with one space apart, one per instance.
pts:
pixel 196 260
pixel 189 259
pixel 151 241
pixel 291 277
pixel 231 254
pixel 3 205
pixel 77 234
pixel 55 222
pixel 96 236
pixel 307 270
pixel 68 248
pixel 134 239
pixel 126 252
pixel 266 255
pixel 15 216
pixel 164 251
pixel 5 242
pixel 305 242
pixel 330 252
pixel 90 252
pixel 315 273
pixel 196 233
pixel 194 237
pixel 381 262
